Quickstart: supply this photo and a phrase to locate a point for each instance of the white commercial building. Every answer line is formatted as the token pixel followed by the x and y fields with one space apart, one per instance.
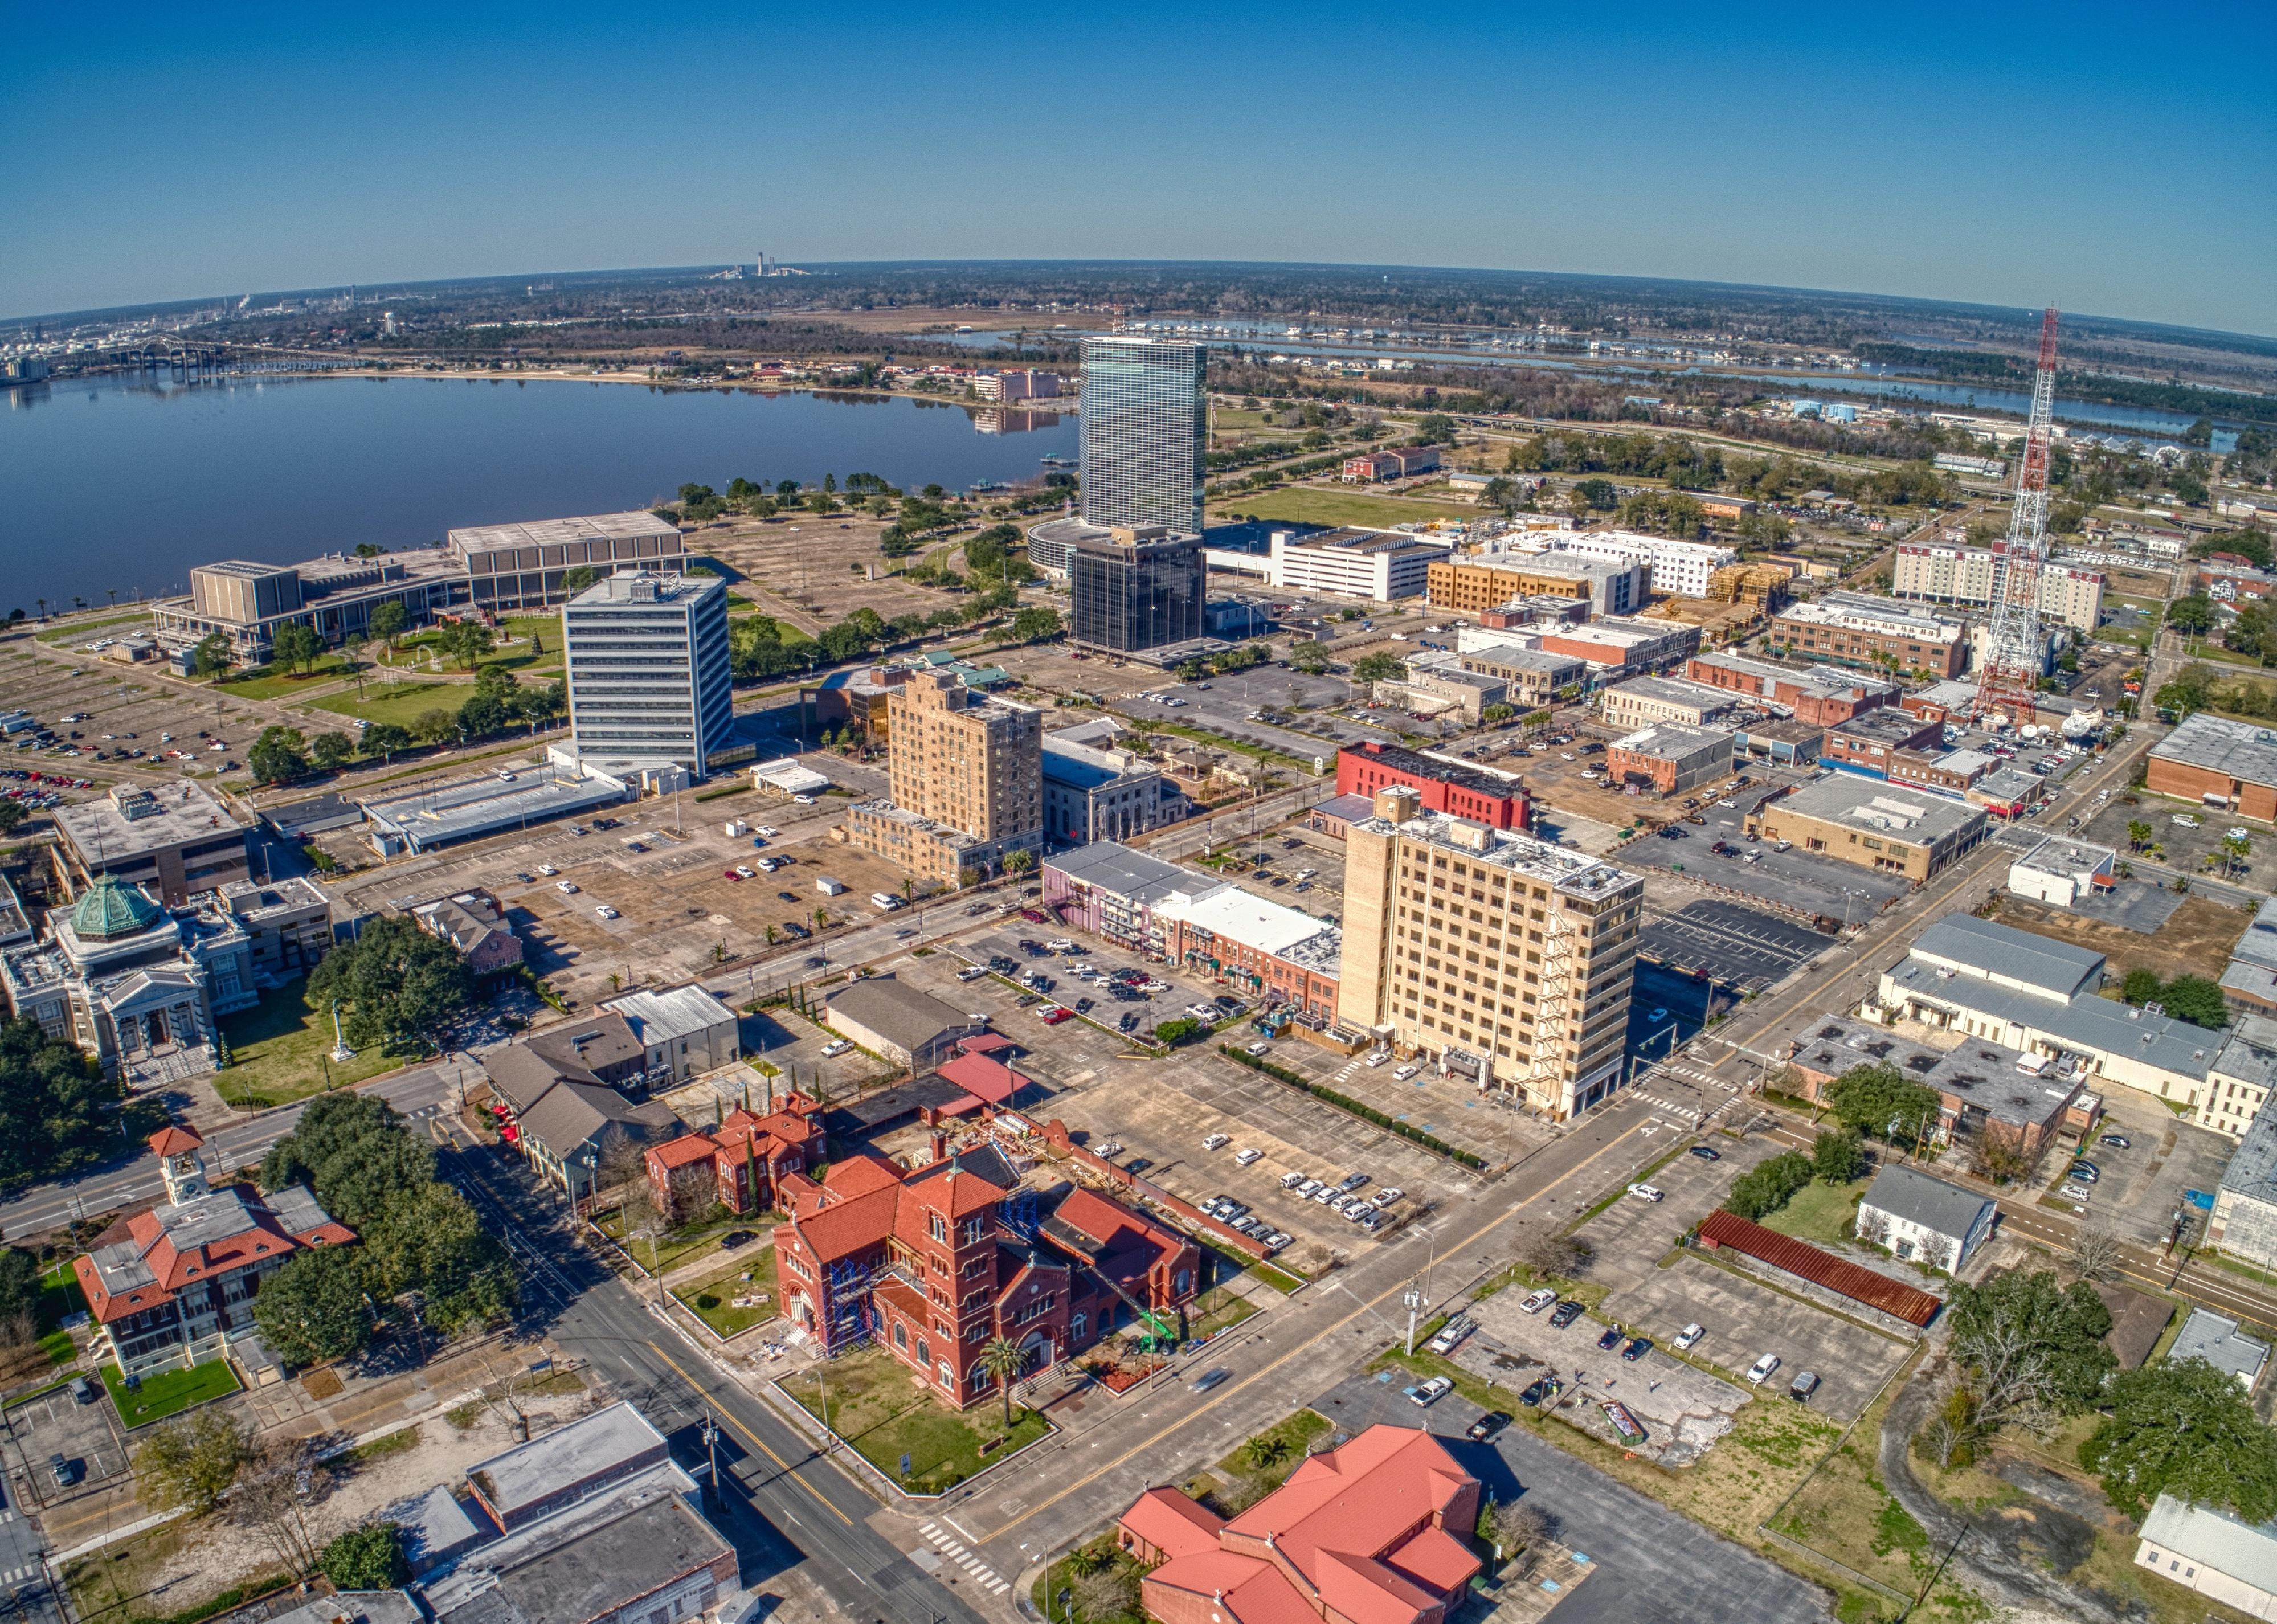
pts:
pixel 1381 565
pixel 1922 1219
pixel 2068 594
pixel 2060 872
pixel 1679 567
pixel 648 670
pixel 2214 1552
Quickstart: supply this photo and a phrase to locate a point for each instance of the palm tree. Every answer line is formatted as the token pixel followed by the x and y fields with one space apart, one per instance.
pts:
pixel 2138 834
pixel 1019 862
pixel 1003 1359
pixel 909 889
pixel 821 917
pixel 771 935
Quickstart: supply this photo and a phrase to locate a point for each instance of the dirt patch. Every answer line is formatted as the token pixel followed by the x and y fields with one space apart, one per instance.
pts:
pixel 322 1383
pixel 2196 939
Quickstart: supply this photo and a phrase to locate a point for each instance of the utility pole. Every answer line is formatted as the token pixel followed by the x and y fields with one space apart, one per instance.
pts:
pixel 1412 1297
pixel 711 1459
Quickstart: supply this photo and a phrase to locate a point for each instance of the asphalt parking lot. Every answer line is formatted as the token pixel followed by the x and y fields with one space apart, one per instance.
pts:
pixel 1799 881
pixel 1652 1565
pixel 86 1435
pixel 2186 848
pixel 1223 705
pixel 1730 944
pixel 2143 1186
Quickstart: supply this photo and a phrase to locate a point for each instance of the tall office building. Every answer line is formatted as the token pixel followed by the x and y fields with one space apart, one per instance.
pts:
pixel 1134 590
pixel 966 775
pixel 1146 420
pixel 1509 960
pixel 648 669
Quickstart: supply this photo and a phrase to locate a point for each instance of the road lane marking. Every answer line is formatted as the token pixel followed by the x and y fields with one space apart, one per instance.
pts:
pixel 728 1416
pixel 1369 1306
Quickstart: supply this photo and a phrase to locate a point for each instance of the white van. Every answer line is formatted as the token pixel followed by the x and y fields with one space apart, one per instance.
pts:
pixel 885 901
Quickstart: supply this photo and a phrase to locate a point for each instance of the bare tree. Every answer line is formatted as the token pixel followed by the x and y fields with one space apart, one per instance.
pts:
pixel 2011 1382
pixel 1554 1252
pixel 1874 1227
pixel 1108 1592
pixel 274 1495
pixel 1523 1528
pixel 2095 1253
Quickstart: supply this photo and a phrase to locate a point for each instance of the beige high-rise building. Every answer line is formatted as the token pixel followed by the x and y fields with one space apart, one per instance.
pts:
pixel 966 772
pixel 1508 960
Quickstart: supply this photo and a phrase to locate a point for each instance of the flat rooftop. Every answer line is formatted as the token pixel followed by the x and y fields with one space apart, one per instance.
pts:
pixel 1271 927
pixel 1671 690
pixel 1673 741
pixel 1881 614
pixel 1438 769
pixel 560 532
pixel 1561 867
pixel 2065 856
pixel 126 823
pixel 592 1445
pixel 1871 803
pixel 472 806
pixel 1353 538
pixel 646 586
pixel 2242 751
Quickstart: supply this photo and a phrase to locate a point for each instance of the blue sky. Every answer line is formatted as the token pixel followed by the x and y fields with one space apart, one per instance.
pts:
pixel 2118 162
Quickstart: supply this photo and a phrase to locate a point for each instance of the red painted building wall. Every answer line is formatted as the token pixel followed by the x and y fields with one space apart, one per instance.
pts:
pixel 1361 770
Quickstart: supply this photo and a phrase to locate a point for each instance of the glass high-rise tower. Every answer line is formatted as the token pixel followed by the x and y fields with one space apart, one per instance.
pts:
pixel 1145 424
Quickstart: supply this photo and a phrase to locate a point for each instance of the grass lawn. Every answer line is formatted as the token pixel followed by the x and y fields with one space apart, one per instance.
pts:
pixel 714 1300
pixel 1100 1554
pixel 71 630
pixel 1305 505
pixel 674 1248
pixel 279 1051
pixel 282 685
pixel 1239 1480
pixel 1819 1212
pixel 1217 1309
pixel 876 1405
pixel 399 704
pixel 169 1392
pixel 1281 1280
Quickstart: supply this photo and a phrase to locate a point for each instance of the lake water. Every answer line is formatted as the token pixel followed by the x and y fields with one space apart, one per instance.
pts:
pixel 120 481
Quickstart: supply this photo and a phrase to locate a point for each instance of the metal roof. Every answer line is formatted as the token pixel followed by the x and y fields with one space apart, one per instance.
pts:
pixel 1119 871
pixel 674 1013
pixel 1836 1275
pixel 1921 817
pixel 2216 1339
pixel 2086 1024
pixel 1985 948
pixel 2208 1537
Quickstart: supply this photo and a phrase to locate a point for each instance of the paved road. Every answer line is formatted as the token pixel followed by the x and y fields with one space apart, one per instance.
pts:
pixel 814 1517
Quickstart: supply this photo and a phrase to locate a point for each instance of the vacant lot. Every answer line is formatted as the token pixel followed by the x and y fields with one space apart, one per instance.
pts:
pixel 2195 940
pixel 874 1405
pixel 1312 505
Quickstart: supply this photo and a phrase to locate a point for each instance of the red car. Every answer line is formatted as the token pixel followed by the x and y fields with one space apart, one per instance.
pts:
pixel 729 873
pixel 1053 1016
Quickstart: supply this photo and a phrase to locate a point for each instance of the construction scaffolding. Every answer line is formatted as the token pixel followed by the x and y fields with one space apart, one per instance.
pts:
pixel 847 1318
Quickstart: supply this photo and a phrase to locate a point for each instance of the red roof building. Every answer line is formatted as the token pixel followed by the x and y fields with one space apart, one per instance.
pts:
pixel 1375 1532
pixel 1837 1275
pixel 173 1287
pixel 934 1262
pixel 739 1164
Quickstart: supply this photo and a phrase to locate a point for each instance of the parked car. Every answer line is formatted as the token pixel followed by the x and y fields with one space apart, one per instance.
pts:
pixel 1805 1384
pixel 1541 1391
pixel 1403 1074
pixel 566 886
pixel 64 1472
pixel 1451 1336
pixel 1246 1158
pixel 1258 1050
pixel 1216 1140
pixel 1759 1372
pixel 1427 1393
pixel 1537 1301
pixel 1608 1338
pixel 1487 1425
pixel 1707 1152
pixel 2117 1141
pixel 605 911
pixel 83 1391
pixel 1567 1313
pixel 2076 1192
pixel 1687 1338
pixel 1638 1347
pixel 836 1047
pixel 1646 1193
pixel 1379 1059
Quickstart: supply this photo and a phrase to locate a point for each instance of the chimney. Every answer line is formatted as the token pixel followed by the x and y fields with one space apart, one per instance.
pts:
pixel 940 1146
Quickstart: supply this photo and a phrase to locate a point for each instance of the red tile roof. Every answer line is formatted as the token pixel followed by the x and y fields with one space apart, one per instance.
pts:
pixel 1175 1524
pixel 1836 1275
pixel 173 1141
pixel 983 1077
pixel 685 1151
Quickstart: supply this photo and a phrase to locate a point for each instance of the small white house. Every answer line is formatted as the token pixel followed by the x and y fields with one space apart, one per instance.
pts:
pixel 2061 871
pixel 2218 1340
pixel 2212 1553
pixel 1923 1219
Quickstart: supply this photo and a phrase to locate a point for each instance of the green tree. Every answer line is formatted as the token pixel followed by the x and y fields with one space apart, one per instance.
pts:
pixel 330 750
pixel 1837 1156
pixel 312 1310
pixel 469 643
pixel 2187 1430
pixel 1435 429
pixel 56 1108
pixel 1035 625
pixel 429 1239
pixel 384 739
pixel 11 813
pixel 2140 986
pixel 2190 614
pixel 435 726
pixel 1177 1031
pixel 2194 999
pixel 1309 658
pixel 1019 862
pixel 1765 1188
pixel 367 1559
pixel 389 621
pixel 1001 1358
pixel 1882 1101
pixel 397 985
pixel 279 754
pixel 213 656
pixel 2138 834
pixel 192 1462
pixel 2030 1349
pixel 1378 667
pixel 295 646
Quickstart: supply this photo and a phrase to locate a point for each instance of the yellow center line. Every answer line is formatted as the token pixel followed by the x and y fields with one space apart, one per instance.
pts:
pixel 725 1414
pixel 1325 1331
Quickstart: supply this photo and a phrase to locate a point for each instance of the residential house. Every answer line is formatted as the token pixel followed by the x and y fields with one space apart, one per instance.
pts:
pixel 475 922
pixel 2215 1552
pixel 1918 1217
pixel 2217 1339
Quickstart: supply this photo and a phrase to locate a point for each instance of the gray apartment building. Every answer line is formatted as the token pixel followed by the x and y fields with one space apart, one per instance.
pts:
pixel 648 671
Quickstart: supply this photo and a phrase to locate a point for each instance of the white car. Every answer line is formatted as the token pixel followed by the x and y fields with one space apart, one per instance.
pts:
pixel 765 833
pixel 1061 944
pixel 1403 1074
pixel 803 800
pixel 1759 1372
pixel 1387 1195
pixel 1537 1301
pixel 836 1047
pixel 1645 1192
pixel 1258 1050
pixel 605 911
pixel 567 886
pixel 1247 1158
pixel 2186 820
pixel 548 870
pixel 1216 1140
pixel 1205 1012
pixel 747 871
pixel 1381 1057
pixel 1689 1336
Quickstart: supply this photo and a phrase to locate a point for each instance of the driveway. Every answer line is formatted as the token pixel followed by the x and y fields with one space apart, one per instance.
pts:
pixel 1653 1566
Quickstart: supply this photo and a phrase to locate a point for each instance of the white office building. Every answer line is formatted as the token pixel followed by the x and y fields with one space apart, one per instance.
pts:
pixel 1679 567
pixel 1943 573
pixel 1381 565
pixel 648 671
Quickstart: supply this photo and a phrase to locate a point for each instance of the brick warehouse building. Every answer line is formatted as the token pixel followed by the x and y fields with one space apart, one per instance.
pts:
pixel 1460 791
pixel 934 1262
pixel 2218 763
pixel 1819 694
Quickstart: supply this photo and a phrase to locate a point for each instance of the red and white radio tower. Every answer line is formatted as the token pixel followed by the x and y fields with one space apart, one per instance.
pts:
pixel 2016 651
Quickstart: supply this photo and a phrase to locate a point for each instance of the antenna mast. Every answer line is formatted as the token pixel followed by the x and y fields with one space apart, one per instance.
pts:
pixel 2016 653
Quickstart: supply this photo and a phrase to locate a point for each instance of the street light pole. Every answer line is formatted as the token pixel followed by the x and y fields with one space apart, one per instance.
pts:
pixel 1412 1299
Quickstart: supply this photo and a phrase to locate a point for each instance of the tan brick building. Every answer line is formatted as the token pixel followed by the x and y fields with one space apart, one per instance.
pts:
pixel 966 772
pixel 1855 628
pixel 1508 960
pixel 1474 585
pixel 1873 824
pixel 2218 763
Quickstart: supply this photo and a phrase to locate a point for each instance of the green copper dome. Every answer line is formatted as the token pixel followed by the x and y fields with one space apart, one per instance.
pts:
pixel 111 909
